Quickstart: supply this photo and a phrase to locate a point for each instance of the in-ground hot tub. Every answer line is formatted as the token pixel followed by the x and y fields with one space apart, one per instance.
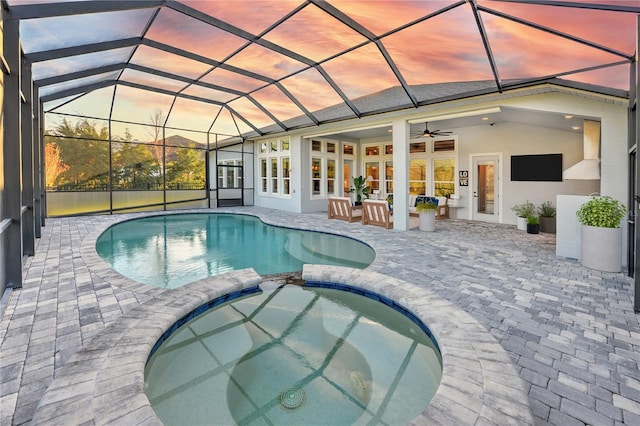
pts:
pixel 323 353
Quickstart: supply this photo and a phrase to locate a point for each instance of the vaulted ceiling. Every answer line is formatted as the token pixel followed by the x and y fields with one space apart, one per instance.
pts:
pixel 258 67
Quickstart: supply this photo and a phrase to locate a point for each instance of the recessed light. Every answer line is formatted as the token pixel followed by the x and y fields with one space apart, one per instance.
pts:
pixel 575 127
pixel 485 118
pixel 568 117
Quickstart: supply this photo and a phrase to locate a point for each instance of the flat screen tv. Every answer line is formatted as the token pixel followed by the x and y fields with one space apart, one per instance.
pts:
pixel 539 168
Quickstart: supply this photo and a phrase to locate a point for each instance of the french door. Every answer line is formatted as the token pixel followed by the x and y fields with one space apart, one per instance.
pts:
pixel 485 178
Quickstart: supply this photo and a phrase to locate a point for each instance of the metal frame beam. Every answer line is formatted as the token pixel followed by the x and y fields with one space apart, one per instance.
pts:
pixel 50 10
pixel 12 194
pixel 26 130
pixel 38 163
pixel 47 55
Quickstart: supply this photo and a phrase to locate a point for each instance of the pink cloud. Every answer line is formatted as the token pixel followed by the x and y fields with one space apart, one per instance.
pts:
pixel 277 103
pixel 361 72
pixel 176 29
pixel 444 48
pixel 523 52
pixel 266 62
pixel 613 29
pixel 322 37
pixel 229 79
pixel 381 16
pixel 165 61
pixel 312 90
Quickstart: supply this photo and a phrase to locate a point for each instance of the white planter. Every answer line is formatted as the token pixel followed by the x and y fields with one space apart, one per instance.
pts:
pixel 521 223
pixel 601 248
pixel 428 221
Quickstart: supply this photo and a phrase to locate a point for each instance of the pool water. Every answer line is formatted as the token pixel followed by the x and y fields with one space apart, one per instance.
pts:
pixel 294 355
pixel 169 251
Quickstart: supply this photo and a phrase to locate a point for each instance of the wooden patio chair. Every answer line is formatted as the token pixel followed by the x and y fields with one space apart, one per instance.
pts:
pixel 341 208
pixel 376 212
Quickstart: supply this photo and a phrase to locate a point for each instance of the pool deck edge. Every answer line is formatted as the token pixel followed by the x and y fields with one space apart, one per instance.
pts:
pixel 104 382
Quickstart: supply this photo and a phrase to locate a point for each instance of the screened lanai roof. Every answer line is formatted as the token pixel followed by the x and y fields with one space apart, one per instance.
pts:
pixel 258 67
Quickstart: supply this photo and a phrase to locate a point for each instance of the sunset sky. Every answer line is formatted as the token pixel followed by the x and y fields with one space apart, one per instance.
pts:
pixel 429 42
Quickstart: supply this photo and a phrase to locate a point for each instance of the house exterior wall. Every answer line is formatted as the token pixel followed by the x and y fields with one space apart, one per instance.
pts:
pixel 507 138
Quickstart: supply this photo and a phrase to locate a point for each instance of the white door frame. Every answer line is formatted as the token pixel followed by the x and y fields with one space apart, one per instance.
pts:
pixel 472 183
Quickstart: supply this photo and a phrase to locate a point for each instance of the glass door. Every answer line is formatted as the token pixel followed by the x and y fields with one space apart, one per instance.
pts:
pixel 485 177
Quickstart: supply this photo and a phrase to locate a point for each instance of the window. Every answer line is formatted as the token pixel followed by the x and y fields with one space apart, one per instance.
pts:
pixel 418 147
pixel 286 174
pixel 388 176
pixel 388 149
pixel 372 150
pixel 229 174
pixel 418 176
pixel 347 149
pixel 372 173
pixel 444 176
pixel 316 176
pixel 444 145
pixel 275 168
pixel 263 174
pixel 324 168
pixel 274 175
pixel 331 177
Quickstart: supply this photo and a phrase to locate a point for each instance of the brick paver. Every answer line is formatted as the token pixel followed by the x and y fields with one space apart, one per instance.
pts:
pixel 570 331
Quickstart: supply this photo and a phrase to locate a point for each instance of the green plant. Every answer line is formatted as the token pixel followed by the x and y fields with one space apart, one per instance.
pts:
pixel 604 212
pixel 524 210
pixel 546 209
pixel 533 220
pixel 361 188
pixel 427 206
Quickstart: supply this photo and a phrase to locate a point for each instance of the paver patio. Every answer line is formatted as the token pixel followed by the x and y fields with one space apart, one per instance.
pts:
pixel 570 331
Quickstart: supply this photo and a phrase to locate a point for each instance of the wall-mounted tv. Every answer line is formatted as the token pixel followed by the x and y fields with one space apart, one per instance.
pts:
pixel 539 168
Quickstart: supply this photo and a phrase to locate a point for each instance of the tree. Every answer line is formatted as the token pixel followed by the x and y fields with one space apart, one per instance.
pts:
pixel 156 120
pixel 54 166
pixel 84 148
pixel 134 167
pixel 188 167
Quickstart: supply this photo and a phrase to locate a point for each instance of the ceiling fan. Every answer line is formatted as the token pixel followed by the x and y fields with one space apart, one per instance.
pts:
pixel 431 133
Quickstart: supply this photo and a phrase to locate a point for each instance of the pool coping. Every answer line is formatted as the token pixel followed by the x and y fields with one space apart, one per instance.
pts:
pixel 103 383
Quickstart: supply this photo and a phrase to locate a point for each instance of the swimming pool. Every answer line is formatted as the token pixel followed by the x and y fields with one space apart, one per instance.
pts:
pixel 169 251
pixel 295 355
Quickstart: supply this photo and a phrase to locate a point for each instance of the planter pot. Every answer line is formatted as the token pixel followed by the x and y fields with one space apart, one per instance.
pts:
pixel 533 229
pixel 548 224
pixel 601 248
pixel 521 223
pixel 428 221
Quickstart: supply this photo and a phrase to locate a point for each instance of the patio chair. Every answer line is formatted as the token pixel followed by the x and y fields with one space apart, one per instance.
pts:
pixel 376 212
pixel 341 208
pixel 442 212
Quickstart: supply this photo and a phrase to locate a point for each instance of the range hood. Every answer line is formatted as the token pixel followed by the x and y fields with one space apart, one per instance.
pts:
pixel 589 167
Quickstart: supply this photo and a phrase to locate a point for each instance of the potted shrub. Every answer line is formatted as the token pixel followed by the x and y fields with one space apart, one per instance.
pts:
pixel 533 225
pixel 427 212
pixel 547 217
pixel 361 189
pixel 601 236
pixel 523 211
